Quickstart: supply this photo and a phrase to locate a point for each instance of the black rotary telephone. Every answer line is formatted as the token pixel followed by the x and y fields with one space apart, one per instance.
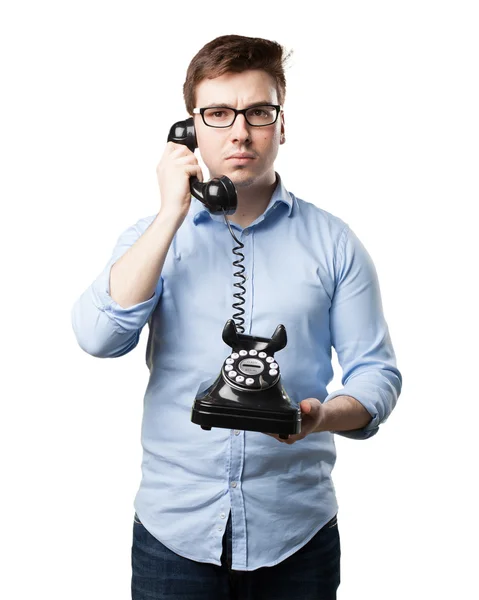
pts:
pixel 248 393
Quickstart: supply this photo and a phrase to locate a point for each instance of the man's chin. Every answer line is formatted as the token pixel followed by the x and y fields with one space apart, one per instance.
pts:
pixel 244 182
pixel 243 178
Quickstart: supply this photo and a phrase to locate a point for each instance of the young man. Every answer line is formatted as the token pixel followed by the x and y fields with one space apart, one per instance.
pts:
pixel 225 511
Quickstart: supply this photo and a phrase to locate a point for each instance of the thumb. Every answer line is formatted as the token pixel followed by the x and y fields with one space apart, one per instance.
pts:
pixel 306 406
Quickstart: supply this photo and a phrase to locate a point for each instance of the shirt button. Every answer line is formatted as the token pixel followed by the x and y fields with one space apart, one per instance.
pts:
pixel 237 432
pixel 220 528
pixel 246 231
pixel 233 484
pixel 223 516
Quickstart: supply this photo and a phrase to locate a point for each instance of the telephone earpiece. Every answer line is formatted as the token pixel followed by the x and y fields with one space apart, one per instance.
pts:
pixel 218 194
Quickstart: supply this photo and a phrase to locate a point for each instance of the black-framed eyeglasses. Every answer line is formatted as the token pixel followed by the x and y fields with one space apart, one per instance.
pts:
pixel 224 116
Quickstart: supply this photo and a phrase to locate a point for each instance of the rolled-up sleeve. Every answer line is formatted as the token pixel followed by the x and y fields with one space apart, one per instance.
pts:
pixel 360 336
pixel 102 327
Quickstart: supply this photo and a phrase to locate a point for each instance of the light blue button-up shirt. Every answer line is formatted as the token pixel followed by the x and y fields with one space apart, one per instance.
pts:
pixel 306 269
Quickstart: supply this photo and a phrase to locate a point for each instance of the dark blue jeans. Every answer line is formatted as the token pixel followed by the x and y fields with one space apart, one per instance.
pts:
pixel 311 573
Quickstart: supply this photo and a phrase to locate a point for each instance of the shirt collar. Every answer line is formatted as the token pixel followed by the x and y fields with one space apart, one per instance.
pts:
pixel 199 212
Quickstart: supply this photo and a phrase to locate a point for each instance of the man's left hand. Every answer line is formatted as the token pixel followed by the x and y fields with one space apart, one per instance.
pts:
pixel 312 415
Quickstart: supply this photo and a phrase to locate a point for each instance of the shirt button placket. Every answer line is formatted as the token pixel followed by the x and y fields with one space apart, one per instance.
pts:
pixel 236 495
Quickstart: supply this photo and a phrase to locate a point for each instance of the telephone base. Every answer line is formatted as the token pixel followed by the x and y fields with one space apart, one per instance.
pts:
pixel 269 411
pixel 281 435
pixel 248 394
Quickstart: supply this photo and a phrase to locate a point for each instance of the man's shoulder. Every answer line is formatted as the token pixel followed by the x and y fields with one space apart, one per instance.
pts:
pixel 313 214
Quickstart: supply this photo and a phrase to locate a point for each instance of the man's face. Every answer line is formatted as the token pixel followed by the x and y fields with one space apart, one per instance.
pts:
pixel 220 147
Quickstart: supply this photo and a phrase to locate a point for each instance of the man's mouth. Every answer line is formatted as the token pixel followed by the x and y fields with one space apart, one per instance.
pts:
pixel 242 156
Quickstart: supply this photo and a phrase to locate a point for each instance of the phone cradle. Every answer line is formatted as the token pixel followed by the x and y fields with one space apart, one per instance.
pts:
pixel 248 393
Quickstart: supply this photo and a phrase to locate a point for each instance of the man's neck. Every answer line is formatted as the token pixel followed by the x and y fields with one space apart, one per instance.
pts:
pixel 252 202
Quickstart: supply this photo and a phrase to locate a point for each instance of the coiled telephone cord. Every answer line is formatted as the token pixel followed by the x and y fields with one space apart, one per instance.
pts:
pixel 239 295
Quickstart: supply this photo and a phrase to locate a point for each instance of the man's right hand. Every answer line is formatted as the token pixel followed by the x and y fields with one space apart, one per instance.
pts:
pixel 174 170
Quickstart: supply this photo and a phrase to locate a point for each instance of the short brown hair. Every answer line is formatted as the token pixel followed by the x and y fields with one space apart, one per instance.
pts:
pixel 235 53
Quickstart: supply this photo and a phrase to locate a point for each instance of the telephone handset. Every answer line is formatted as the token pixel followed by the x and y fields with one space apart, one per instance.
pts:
pixel 218 194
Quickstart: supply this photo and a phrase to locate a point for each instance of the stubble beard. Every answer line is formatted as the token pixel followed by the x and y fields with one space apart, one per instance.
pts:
pixel 245 180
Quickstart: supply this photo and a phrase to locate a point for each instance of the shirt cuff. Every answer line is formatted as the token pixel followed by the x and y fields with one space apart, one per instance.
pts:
pixel 126 319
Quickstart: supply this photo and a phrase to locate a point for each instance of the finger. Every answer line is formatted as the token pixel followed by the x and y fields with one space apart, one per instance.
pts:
pixel 173 147
pixel 305 406
pixel 275 436
pixel 194 171
pixel 178 150
pixel 185 159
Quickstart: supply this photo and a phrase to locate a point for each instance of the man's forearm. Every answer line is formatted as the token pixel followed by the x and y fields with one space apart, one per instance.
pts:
pixel 343 413
pixel 134 276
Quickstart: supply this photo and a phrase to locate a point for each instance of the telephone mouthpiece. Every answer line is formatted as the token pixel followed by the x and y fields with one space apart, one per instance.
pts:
pixel 222 192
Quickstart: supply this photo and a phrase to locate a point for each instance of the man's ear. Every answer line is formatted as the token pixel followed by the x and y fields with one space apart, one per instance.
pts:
pixel 282 138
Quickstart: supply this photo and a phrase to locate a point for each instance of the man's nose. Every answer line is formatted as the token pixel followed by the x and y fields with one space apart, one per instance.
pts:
pixel 240 130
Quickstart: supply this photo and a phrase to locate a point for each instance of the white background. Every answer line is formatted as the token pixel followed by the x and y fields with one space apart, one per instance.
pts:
pixel 382 131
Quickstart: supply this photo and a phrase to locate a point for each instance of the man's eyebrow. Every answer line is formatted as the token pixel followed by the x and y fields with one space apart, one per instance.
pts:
pixel 223 105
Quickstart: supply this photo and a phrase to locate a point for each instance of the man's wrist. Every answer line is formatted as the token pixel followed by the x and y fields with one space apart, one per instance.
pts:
pixel 343 413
